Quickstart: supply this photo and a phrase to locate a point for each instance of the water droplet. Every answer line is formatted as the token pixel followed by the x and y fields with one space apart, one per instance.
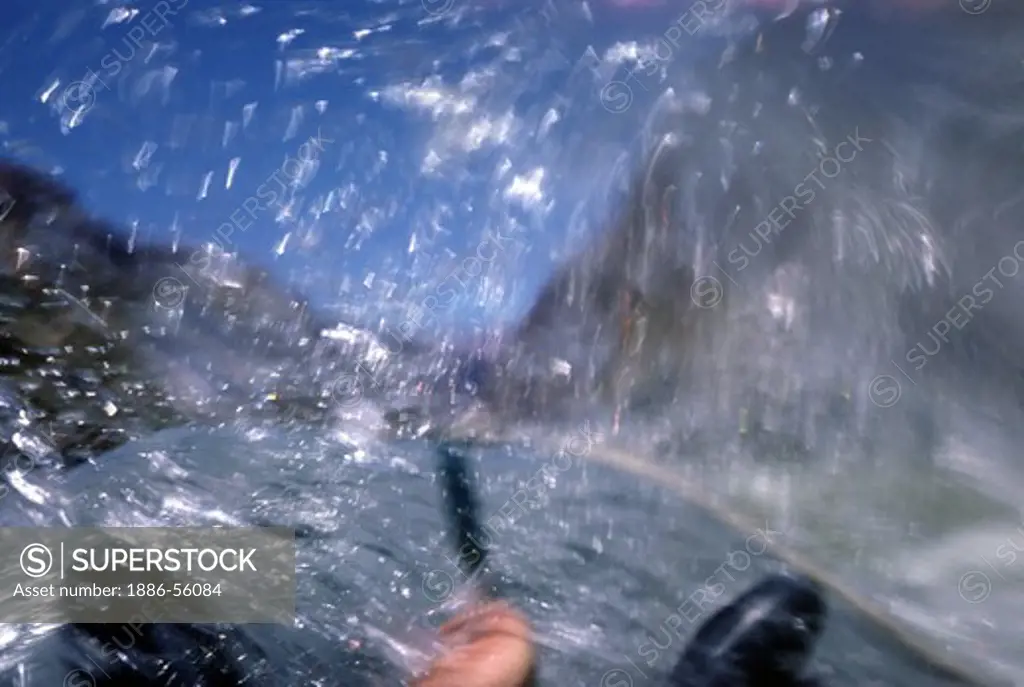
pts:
pixel 820 25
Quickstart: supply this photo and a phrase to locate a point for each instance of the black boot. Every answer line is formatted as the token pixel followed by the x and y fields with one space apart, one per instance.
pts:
pixel 762 639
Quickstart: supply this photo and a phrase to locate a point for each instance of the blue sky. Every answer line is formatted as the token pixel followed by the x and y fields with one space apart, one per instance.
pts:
pixel 141 152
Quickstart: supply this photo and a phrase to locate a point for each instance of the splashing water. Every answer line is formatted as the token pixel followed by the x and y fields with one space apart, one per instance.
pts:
pixel 417 171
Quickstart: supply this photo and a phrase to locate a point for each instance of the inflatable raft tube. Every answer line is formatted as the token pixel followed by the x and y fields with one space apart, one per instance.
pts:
pixel 850 607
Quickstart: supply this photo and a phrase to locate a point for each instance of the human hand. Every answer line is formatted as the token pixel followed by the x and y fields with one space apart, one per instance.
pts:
pixel 489 645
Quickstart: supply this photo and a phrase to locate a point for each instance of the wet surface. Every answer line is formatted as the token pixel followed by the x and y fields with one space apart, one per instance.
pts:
pixel 616 580
pixel 440 163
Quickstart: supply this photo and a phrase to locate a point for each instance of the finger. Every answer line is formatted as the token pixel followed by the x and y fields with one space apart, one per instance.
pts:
pixel 500 653
pixel 494 616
